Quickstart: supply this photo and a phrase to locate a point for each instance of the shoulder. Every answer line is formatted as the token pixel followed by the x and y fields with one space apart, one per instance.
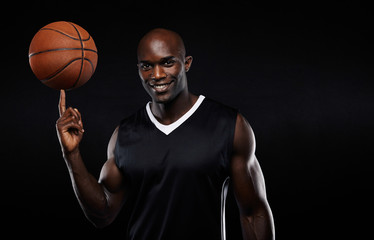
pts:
pixel 242 127
pixel 219 110
pixel 244 138
pixel 134 116
pixel 216 105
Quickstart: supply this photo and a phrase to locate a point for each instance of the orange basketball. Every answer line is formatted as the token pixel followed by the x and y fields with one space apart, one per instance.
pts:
pixel 63 55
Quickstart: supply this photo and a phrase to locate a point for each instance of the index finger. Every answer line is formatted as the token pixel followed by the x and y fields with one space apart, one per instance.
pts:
pixel 62 103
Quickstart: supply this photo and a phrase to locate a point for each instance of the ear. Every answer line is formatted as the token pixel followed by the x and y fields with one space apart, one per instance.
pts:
pixel 187 63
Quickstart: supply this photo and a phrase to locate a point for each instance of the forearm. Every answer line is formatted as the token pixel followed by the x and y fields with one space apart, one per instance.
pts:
pixel 89 192
pixel 258 226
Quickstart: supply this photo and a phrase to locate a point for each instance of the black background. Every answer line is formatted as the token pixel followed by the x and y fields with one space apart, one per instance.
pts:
pixel 301 73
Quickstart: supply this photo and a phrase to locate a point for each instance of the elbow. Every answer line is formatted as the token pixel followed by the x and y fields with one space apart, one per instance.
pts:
pixel 99 222
pixel 258 222
pixel 100 225
pixel 263 213
pixel 101 215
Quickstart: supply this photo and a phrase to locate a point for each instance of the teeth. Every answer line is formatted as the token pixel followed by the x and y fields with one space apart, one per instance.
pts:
pixel 160 86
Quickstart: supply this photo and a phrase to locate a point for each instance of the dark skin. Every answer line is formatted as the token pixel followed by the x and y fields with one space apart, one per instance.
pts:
pixel 162 68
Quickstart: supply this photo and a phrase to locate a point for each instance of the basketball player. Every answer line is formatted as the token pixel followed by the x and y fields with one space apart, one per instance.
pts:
pixel 169 163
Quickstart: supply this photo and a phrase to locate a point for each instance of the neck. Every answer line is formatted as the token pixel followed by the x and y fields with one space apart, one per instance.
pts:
pixel 167 113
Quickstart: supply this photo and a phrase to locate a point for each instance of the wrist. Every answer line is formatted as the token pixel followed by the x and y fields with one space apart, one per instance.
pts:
pixel 70 155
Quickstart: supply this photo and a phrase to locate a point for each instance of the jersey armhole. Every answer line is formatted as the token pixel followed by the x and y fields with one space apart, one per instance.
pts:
pixel 232 134
pixel 116 147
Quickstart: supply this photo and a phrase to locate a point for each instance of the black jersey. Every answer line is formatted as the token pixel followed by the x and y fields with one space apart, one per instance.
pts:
pixel 174 174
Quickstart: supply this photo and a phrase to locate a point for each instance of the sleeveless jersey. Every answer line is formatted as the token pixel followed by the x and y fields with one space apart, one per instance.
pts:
pixel 174 174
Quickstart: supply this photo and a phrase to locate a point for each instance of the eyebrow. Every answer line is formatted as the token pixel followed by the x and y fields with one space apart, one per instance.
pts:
pixel 164 59
pixel 167 58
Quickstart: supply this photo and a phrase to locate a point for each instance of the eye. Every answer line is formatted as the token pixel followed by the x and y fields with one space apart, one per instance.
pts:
pixel 145 66
pixel 169 63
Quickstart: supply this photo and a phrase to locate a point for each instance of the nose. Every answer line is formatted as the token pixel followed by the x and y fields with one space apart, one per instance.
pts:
pixel 158 73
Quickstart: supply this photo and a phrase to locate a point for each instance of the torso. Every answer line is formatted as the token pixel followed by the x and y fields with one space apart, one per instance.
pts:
pixel 174 173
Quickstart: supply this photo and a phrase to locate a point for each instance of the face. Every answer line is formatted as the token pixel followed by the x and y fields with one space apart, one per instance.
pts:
pixel 162 68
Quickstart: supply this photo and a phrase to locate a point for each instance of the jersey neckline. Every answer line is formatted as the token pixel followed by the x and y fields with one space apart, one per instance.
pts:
pixel 167 129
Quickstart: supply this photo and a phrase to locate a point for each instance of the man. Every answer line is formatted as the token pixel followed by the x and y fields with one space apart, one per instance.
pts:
pixel 170 161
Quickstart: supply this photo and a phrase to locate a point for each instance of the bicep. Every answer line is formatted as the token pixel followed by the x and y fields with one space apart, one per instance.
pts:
pixel 111 177
pixel 246 175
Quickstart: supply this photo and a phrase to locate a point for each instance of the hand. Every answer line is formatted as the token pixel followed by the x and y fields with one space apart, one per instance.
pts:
pixel 69 126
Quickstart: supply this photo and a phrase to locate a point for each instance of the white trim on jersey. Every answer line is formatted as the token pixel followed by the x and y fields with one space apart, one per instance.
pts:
pixel 225 187
pixel 167 129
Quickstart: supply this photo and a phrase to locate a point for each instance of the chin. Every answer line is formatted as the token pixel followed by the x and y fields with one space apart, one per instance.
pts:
pixel 165 98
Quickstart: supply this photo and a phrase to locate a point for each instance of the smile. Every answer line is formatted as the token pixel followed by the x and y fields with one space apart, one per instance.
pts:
pixel 161 87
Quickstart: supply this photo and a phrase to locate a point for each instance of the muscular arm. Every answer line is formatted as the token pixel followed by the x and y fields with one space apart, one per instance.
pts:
pixel 249 186
pixel 101 200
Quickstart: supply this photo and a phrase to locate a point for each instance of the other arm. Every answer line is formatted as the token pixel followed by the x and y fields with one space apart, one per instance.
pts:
pixel 249 186
pixel 100 200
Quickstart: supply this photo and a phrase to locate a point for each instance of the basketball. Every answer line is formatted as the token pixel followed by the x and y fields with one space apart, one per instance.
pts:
pixel 63 55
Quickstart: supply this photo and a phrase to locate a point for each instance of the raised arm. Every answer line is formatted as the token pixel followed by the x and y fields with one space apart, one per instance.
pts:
pixel 100 200
pixel 249 186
